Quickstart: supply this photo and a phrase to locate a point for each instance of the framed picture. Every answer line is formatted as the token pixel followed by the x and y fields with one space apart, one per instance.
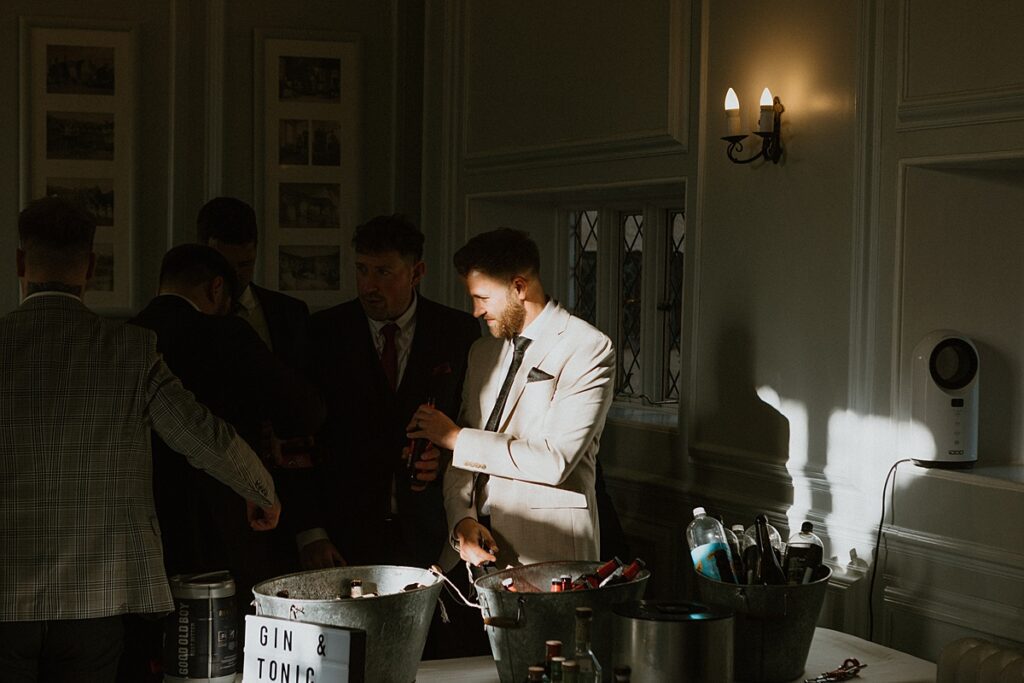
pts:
pixel 77 134
pixel 308 137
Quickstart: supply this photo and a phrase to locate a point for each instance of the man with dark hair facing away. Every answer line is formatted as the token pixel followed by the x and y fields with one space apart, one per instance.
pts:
pixel 222 360
pixel 78 398
pixel 520 488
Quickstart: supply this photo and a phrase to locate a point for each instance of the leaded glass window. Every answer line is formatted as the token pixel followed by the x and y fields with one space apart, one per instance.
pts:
pixel 675 236
pixel 630 280
pixel 583 257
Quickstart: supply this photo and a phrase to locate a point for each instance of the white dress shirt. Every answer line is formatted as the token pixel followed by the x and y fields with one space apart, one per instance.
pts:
pixel 532 332
pixel 403 338
pixel 251 311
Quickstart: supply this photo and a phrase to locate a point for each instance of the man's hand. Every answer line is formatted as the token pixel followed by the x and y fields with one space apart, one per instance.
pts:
pixel 476 545
pixel 261 518
pixel 431 424
pixel 427 467
pixel 320 554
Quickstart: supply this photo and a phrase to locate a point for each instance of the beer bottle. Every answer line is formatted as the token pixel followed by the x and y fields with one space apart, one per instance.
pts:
pixel 586 660
pixel 552 649
pixel 585 581
pixel 625 574
pixel 556 675
pixel 570 671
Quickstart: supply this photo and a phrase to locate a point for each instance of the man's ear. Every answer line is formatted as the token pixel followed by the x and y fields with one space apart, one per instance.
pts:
pixel 19 257
pixel 215 289
pixel 519 284
pixel 418 271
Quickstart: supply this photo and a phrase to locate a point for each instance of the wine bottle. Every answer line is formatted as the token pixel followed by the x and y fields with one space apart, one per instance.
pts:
pixel 586 660
pixel 767 570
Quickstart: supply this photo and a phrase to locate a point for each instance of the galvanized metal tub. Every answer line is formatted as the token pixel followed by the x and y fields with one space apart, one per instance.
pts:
pixel 774 625
pixel 520 622
pixel 395 622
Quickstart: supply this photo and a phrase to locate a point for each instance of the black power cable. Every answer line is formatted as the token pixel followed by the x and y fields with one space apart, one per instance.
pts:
pixel 878 544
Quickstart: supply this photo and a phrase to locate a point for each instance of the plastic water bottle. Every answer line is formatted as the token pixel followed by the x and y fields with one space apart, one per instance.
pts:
pixel 734 549
pixel 804 554
pixel 709 547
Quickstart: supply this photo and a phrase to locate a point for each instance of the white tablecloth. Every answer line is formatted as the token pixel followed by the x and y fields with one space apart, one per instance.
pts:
pixel 828 650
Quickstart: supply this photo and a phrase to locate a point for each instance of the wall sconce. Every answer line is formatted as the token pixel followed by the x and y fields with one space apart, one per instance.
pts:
pixel 768 128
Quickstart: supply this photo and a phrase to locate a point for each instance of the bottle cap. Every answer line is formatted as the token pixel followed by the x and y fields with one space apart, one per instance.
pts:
pixel 806 527
pixel 570 664
pixel 699 511
pixel 584 612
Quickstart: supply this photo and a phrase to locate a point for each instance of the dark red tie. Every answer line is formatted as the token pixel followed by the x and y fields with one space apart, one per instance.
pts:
pixel 389 355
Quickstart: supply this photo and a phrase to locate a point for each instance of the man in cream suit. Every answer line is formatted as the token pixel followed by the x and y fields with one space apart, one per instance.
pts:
pixel 79 536
pixel 520 488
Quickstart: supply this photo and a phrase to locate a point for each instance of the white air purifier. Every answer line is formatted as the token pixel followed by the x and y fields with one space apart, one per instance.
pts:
pixel 944 402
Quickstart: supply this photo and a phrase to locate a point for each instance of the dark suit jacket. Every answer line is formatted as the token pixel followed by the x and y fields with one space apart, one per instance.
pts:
pixel 228 367
pixel 288 321
pixel 365 429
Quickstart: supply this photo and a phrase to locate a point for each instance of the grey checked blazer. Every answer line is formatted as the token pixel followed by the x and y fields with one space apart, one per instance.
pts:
pixel 79 395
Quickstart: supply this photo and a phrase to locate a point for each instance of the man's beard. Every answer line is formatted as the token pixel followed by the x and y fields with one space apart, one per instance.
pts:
pixel 510 322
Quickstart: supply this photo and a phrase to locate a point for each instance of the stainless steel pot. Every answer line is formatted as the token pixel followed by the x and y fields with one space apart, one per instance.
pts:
pixel 668 642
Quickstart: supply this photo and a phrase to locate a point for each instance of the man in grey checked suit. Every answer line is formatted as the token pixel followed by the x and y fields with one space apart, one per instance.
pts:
pixel 79 538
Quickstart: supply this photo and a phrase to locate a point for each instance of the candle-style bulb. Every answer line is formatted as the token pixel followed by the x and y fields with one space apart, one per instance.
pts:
pixel 766 119
pixel 732 113
pixel 731 101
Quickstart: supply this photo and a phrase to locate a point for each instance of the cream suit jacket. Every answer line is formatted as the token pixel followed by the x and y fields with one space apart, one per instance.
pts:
pixel 540 463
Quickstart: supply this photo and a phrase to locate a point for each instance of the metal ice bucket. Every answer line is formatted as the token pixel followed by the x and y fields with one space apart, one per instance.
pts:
pixel 519 623
pixel 774 625
pixel 395 622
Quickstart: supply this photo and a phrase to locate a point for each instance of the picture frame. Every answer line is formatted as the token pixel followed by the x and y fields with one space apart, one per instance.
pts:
pixel 308 139
pixel 77 139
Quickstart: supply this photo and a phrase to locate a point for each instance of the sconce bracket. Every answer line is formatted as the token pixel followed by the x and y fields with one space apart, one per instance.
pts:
pixel 771 141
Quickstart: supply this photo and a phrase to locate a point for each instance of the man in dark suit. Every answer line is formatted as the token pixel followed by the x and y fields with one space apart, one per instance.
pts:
pixel 222 360
pixel 377 358
pixel 229 226
pixel 78 397
pixel 282 322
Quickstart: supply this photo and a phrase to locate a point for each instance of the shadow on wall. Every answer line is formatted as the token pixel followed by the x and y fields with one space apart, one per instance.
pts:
pixel 742 421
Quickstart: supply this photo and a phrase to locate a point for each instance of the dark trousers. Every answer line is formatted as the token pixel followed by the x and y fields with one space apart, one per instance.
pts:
pixel 60 651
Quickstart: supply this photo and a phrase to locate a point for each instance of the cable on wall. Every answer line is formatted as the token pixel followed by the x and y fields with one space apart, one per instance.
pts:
pixel 878 543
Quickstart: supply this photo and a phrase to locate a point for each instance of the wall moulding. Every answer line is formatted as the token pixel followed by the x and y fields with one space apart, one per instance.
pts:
pixel 956 106
pixel 669 137
pixel 1000 621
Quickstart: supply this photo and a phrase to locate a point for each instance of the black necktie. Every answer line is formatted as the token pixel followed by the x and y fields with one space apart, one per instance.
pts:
pixel 499 405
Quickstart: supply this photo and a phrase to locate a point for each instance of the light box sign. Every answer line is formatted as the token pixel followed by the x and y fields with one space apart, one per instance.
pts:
pixel 281 651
